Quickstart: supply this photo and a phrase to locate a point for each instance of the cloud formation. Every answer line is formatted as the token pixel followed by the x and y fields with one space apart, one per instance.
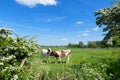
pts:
pixel 64 39
pixel 85 34
pixel 96 28
pixel 79 22
pixel 54 19
pixel 33 3
pixel 87 31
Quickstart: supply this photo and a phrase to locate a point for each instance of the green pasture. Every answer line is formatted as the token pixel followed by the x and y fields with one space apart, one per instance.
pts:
pixel 85 64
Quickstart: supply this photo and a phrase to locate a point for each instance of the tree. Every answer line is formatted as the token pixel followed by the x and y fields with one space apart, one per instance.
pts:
pixel 110 18
pixel 92 44
pixel 81 44
pixel 73 45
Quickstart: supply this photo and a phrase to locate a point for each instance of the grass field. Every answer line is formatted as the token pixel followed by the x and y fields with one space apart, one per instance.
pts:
pixel 85 64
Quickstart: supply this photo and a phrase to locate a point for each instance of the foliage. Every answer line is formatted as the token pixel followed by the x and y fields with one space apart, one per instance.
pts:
pixel 114 70
pixel 8 67
pixel 90 44
pixel 5 32
pixel 94 44
pixel 73 45
pixel 12 51
pixel 110 17
pixel 93 70
pixel 81 44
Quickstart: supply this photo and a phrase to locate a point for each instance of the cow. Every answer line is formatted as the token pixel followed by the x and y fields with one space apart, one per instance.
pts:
pixel 61 53
pixel 46 53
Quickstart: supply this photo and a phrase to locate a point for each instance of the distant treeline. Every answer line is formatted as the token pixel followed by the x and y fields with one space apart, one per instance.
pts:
pixel 92 44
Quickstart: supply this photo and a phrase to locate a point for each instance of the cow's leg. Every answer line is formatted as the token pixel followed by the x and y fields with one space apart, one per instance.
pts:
pixel 42 58
pixel 60 59
pixel 68 57
pixel 48 58
pixel 56 60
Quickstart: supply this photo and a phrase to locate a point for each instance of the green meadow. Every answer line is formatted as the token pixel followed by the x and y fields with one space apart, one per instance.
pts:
pixel 85 64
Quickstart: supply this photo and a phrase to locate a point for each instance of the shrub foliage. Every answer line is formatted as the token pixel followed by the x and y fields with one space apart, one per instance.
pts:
pixel 12 51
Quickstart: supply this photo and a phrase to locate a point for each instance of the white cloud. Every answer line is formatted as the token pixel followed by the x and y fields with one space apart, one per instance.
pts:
pixel 87 31
pixel 85 34
pixel 49 19
pixel 79 22
pixel 64 39
pixel 81 32
pixel 56 19
pixel 33 3
pixel 96 28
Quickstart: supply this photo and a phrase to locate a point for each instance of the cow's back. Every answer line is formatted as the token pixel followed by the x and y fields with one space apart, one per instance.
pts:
pixel 44 52
pixel 64 52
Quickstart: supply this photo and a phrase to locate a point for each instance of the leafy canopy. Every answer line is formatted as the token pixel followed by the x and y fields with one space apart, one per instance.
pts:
pixel 110 18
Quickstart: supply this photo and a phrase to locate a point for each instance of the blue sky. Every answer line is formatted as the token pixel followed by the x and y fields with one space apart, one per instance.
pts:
pixel 55 22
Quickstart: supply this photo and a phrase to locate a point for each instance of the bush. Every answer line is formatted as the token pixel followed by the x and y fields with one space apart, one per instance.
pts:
pixel 12 51
pixel 114 70
pixel 96 69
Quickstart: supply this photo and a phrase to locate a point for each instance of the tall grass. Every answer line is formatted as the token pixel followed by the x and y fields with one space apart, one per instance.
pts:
pixel 85 64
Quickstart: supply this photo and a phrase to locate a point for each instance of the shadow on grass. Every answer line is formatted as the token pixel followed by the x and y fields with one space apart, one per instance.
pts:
pixel 53 62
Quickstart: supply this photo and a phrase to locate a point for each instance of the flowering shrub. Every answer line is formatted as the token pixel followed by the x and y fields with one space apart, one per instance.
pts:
pixel 97 69
pixel 8 67
pixel 12 51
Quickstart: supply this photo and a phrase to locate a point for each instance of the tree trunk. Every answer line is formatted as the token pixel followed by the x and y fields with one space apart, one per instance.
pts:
pixel 22 63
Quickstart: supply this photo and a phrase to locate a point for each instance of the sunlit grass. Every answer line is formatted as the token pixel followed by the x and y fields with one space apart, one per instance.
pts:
pixel 81 60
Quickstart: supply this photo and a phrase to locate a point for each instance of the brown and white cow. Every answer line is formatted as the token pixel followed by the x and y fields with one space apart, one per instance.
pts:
pixel 61 53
